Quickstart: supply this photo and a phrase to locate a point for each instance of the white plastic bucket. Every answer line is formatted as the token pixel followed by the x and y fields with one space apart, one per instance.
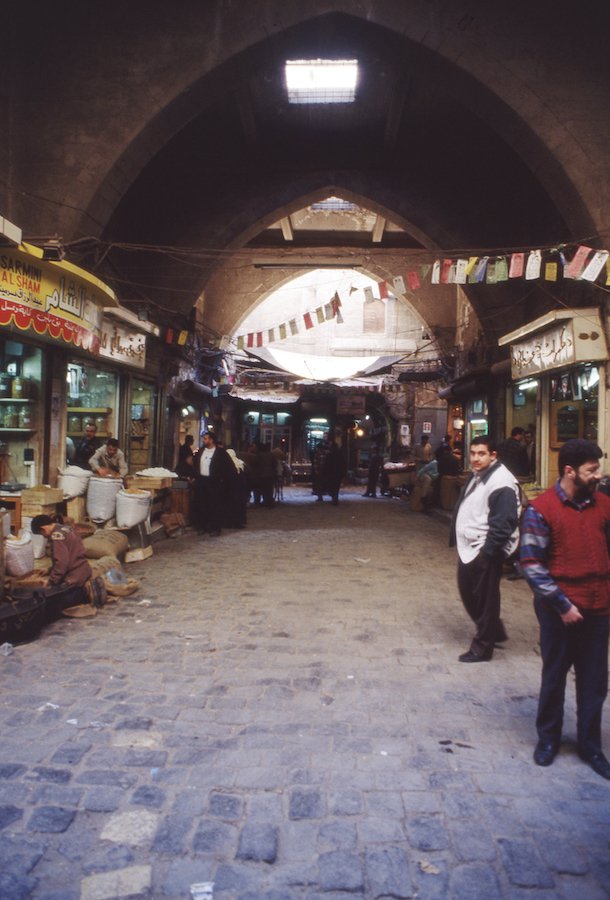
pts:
pixel 101 498
pixel 74 481
pixel 132 507
pixel 19 555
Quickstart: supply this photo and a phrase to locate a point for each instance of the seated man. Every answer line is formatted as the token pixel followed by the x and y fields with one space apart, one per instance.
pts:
pixel 108 460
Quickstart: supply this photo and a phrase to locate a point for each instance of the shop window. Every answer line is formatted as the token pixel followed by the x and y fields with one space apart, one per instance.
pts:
pixel 142 417
pixel 92 398
pixel 20 414
pixel 574 405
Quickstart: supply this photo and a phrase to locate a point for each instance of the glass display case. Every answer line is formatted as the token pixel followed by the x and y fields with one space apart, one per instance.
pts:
pixel 20 413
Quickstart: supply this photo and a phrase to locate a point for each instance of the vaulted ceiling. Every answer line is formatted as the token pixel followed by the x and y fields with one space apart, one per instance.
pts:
pixel 160 144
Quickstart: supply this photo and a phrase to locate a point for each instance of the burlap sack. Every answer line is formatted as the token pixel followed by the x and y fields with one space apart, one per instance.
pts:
pixel 106 542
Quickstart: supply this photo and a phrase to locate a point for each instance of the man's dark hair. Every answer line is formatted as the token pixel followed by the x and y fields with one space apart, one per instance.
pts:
pixel 577 452
pixel 112 442
pixel 487 440
pixel 517 430
pixel 39 521
pixel 210 434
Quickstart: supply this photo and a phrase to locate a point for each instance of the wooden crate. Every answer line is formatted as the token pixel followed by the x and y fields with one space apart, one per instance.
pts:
pixel 29 510
pixel 145 483
pixel 76 508
pixel 42 495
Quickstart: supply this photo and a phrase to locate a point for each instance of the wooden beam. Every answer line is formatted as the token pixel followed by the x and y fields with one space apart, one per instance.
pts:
pixel 286 226
pixel 378 228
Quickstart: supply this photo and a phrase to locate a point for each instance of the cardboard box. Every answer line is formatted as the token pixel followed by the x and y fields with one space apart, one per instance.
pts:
pixel 138 554
pixel 76 508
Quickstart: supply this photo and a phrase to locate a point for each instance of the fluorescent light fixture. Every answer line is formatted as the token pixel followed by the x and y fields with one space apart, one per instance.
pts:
pixel 478 421
pixel 527 385
pixel 321 80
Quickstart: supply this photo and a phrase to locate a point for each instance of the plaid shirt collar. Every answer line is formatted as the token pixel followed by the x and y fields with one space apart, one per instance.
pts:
pixel 589 501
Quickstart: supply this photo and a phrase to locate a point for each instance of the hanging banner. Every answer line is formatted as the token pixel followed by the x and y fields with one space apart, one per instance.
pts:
pixel 52 298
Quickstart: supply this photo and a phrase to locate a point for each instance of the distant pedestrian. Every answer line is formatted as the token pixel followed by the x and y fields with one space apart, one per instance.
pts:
pixel 185 467
pixel 373 473
pixel 213 484
pixel 512 453
pixel 565 558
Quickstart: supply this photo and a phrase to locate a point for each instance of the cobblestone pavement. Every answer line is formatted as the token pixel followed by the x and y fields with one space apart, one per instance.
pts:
pixel 281 711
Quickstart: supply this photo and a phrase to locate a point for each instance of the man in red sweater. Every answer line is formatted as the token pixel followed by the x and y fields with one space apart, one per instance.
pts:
pixel 564 553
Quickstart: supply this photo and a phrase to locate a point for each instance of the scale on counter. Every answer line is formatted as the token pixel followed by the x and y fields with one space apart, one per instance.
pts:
pixel 11 486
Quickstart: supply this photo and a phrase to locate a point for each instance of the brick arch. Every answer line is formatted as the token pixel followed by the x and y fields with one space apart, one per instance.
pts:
pixel 533 124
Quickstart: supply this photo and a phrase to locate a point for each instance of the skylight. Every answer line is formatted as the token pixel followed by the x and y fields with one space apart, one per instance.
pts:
pixel 321 80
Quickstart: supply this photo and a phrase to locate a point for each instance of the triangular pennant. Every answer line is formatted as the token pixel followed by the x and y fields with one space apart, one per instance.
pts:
pixel 352 289
pixel 436 272
pixel 339 317
pixel 575 267
pixel 169 336
pixel 501 269
pixel 424 271
pixel 182 338
pixel 271 335
pixel 490 274
pixel 251 340
pixel 320 314
pixel 240 342
pixel 517 261
pixel 294 328
pixel 399 284
pixel 534 263
pixel 328 311
pixel 368 294
pixel 337 299
pixel 283 331
pixel 259 338
pixel 307 320
pixel 383 290
pixel 550 271
pixel 413 280
pixel 595 265
pixel 472 261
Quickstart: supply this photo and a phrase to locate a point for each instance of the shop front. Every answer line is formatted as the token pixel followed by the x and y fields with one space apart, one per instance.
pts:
pixel 48 310
pixel 558 371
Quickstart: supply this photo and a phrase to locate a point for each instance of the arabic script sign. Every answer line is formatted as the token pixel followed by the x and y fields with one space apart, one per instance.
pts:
pixel 51 298
pixel 121 345
pixel 552 349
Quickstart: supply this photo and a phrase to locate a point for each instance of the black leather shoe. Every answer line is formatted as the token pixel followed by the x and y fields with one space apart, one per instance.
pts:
pixel 599 764
pixel 471 657
pixel 545 753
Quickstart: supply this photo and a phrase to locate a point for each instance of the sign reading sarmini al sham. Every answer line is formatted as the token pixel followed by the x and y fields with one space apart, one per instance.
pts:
pixel 52 298
pixel 123 346
pixel 555 341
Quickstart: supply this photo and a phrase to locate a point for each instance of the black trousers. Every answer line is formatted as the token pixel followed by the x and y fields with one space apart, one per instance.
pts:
pixel 208 504
pixel 479 587
pixel 584 646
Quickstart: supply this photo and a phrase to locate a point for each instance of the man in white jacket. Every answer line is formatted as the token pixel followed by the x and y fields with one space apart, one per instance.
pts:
pixel 485 530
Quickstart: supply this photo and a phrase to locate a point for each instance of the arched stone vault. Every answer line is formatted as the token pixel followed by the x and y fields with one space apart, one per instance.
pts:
pixel 483 126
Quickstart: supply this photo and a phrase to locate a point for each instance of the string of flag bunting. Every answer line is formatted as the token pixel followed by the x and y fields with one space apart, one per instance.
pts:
pixel 551 264
pixel 290 328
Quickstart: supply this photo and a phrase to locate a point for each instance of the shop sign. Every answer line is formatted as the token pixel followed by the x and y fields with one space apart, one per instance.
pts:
pixel 351 404
pixel 53 298
pixel 123 346
pixel 552 349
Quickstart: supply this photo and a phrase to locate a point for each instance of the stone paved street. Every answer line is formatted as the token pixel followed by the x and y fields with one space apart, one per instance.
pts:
pixel 281 711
